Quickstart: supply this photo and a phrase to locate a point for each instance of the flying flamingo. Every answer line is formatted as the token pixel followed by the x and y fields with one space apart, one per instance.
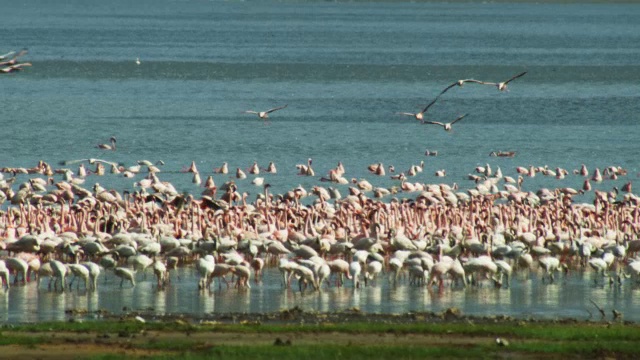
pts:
pixel 14 68
pixel 446 126
pixel 10 54
pixel 419 115
pixel 460 83
pixel 502 86
pixel 264 115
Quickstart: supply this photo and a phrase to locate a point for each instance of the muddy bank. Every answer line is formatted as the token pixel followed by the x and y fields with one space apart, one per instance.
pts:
pixel 298 316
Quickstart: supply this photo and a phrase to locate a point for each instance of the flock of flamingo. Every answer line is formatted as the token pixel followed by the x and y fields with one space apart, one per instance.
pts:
pixel 9 62
pixel 426 235
pixel 417 233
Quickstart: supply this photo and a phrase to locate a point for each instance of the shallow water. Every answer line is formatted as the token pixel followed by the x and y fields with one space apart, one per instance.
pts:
pixel 344 69
pixel 528 296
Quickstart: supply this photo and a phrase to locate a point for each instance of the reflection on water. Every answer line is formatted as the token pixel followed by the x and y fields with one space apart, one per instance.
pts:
pixel 528 296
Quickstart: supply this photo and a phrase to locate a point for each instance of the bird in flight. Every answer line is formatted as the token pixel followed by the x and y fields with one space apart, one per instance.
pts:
pixel 502 86
pixel 460 83
pixel 13 55
pixel 420 115
pixel 14 68
pixel 446 126
pixel 264 115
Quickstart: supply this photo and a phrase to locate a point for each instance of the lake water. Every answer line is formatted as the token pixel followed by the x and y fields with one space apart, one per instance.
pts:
pixel 528 297
pixel 344 69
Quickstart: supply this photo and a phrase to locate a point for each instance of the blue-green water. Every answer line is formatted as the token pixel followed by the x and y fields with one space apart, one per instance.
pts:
pixel 344 69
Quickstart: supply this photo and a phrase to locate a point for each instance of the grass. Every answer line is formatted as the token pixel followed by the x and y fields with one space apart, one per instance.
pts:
pixel 543 330
pixel 325 352
pixel 449 340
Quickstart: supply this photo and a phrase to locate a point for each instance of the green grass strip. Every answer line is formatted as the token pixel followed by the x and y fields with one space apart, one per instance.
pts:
pixel 549 331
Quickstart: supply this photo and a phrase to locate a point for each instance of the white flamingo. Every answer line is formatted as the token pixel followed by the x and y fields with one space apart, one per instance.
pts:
pixel 447 126
pixel 125 274
pixel 59 271
pixel 111 146
pixel 264 115
pixel 502 86
pixel 355 269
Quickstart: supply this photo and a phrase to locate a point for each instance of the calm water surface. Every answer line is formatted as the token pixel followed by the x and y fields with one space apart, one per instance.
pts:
pixel 528 296
pixel 344 69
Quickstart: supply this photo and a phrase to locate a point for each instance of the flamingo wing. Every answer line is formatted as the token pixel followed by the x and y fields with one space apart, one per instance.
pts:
pixel 21 53
pixel 515 77
pixel 458 119
pixel 274 109
pixel 472 81
pixel 448 87
pixel 434 123
pixel 7 55
pixel 431 104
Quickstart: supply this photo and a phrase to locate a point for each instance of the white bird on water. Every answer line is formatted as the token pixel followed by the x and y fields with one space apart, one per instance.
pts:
pixel 107 146
pixel 137 61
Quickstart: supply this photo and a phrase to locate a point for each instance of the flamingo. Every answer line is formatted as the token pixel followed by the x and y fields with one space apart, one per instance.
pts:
pixel 254 169
pixel 161 273
pixel 111 146
pixel 59 272
pixel 340 268
pixel 4 274
pixel 257 264
pixel 550 265
pixel 79 271
pixel 244 275
pixel 355 268
pixel 264 115
pixel 13 68
pixel 446 126
pixel 460 83
pixel 19 267
pixel 271 168
pixel 13 55
pixel 205 267
pixel 125 274
pixel 94 272
pixel 419 115
pixel 224 169
pixel 377 169
pixel 502 86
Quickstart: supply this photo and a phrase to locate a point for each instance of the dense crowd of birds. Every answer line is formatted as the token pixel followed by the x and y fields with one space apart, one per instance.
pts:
pixel 423 234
